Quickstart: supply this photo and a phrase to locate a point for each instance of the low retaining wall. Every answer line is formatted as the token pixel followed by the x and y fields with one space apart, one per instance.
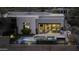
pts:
pixel 15 47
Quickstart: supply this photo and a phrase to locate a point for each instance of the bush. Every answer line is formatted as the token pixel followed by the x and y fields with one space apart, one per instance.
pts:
pixel 15 38
pixel 72 39
pixel 26 31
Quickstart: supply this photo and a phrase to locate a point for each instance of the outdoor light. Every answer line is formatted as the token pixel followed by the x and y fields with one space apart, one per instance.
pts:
pixel 12 36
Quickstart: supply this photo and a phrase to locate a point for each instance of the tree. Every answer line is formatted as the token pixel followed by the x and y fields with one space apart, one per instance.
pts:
pixel 74 17
pixel 25 30
pixel 2 12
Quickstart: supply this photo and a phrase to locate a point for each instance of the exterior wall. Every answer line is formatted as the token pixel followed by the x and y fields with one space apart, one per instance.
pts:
pixel 31 20
pixel 51 20
pixel 34 22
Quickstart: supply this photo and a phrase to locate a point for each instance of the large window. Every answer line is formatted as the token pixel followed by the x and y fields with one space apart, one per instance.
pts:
pixel 49 27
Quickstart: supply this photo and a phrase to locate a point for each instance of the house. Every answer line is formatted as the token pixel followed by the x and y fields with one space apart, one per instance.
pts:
pixel 38 22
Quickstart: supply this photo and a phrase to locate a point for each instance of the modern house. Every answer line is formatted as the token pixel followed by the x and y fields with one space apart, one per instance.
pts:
pixel 38 22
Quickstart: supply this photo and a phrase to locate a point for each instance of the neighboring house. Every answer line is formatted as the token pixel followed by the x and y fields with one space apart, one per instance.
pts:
pixel 38 22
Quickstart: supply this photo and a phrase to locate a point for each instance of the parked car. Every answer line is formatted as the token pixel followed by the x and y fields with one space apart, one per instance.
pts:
pixel 44 39
pixel 25 40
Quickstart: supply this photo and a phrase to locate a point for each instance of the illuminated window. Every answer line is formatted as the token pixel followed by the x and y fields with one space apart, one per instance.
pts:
pixel 54 25
pixel 58 25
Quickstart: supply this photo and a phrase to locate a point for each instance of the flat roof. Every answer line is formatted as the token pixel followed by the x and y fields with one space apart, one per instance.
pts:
pixel 31 14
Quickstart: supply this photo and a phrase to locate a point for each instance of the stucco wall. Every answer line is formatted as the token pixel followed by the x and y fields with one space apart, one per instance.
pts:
pixel 31 20
pixel 34 22
pixel 51 20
